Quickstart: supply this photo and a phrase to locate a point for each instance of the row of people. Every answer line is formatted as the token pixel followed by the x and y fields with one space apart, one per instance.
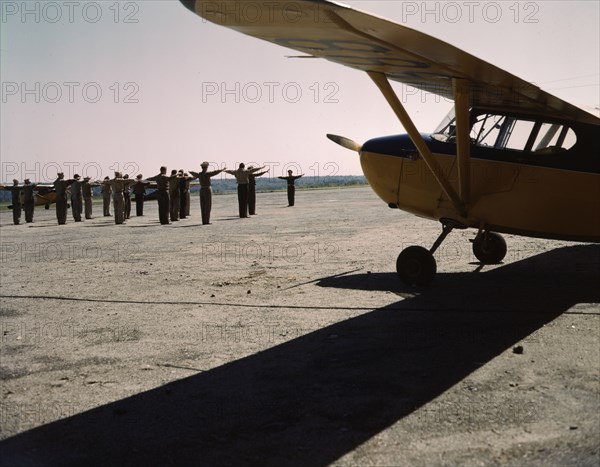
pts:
pixel 246 187
pixel 119 188
pixel 173 194
pixel 27 190
pixel 246 190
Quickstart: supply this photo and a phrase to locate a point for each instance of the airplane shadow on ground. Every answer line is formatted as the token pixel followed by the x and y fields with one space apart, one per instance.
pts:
pixel 315 398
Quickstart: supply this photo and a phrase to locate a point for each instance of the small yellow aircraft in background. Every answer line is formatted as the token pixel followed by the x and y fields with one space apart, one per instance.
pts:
pixel 509 158
pixel 44 195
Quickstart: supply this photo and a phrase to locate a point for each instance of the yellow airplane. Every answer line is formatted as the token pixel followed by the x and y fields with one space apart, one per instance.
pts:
pixel 509 158
pixel 44 195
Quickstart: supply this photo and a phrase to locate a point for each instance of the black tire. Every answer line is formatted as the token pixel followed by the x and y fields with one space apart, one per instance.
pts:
pixel 489 248
pixel 416 266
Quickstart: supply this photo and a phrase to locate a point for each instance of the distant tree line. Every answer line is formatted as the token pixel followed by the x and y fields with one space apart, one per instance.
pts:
pixel 266 183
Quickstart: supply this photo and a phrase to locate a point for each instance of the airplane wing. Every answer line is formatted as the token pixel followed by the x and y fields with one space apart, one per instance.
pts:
pixel 38 187
pixel 365 42
pixel 43 188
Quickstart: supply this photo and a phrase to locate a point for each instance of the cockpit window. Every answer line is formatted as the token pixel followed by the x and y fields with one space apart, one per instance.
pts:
pixel 486 130
pixel 553 137
pixel 518 134
pixel 499 131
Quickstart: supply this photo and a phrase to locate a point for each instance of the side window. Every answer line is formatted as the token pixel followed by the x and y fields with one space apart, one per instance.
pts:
pixel 507 132
pixel 502 132
pixel 518 134
pixel 554 138
pixel 486 129
pixel 569 140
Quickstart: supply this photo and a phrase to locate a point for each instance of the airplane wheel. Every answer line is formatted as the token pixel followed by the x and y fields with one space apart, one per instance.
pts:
pixel 489 248
pixel 416 266
pixel 46 206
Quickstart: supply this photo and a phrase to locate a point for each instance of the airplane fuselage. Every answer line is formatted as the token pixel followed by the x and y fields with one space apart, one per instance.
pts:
pixel 512 196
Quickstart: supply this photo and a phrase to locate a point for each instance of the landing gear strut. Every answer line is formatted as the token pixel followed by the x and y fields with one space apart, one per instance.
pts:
pixel 416 265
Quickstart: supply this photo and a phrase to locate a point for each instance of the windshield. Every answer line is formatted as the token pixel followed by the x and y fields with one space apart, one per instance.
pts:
pixel 446 128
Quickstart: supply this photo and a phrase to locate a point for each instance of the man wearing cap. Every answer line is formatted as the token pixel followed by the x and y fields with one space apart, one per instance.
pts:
pixel 119 185
pixel 162 184
pixel 77 198
pixel 242 177
pixel 28 200
pixel 252 189
pixel 86 190
pixel 205 190
pixel 291 189
pixel 174 196
pixel 60 186
pixel 106 191
pixel 15 191
pixel 184 193
pixel 188 202
pixel 139 190
pixel 127 197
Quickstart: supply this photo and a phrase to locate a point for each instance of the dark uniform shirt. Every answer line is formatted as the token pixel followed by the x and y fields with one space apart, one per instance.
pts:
pixel 162 182
pixel 61 185
pixel 204 177
pixel 16 194
pixel 106 188
pixel 86 189
pixel 139 188
pixel 291 179
pixel 76 188
pixel 252 177
pixel 28 196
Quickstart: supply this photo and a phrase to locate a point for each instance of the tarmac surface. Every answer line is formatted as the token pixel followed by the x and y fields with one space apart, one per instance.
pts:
pixel 287 339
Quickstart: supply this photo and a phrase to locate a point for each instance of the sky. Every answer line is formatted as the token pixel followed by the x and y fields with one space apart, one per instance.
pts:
pixel 94 87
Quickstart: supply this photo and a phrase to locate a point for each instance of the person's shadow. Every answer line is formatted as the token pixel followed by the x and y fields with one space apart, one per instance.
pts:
pixel 315 398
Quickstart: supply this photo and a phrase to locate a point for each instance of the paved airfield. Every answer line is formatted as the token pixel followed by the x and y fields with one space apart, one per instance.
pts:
pixel 286 339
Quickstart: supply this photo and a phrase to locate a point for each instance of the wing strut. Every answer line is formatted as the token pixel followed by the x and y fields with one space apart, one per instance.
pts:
pixel 384 86
pixel 463 142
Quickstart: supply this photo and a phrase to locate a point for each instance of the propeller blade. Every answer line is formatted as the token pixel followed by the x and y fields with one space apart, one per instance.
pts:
pixel 345 142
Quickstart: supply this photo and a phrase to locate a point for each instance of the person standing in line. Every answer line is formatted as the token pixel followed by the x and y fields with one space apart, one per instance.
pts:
pixel 205 190
pixel 60 186
pixel 127 197
pixel 77 198
pixel 252 189
pixel 86 190
pixel 106 192
pixel 188 202
pixel 162 184
pixel 119 185
pixel 291 188
pixel 28 200
pixel 15 191
pixel 139 190
pixel 174 196
pixel 184 194
pixel 242 177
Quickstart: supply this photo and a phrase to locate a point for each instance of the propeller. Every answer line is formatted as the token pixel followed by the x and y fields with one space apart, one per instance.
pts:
pixel 345 142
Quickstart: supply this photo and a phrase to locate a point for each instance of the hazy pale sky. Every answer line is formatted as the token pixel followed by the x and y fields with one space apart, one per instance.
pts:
pixel 91 87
